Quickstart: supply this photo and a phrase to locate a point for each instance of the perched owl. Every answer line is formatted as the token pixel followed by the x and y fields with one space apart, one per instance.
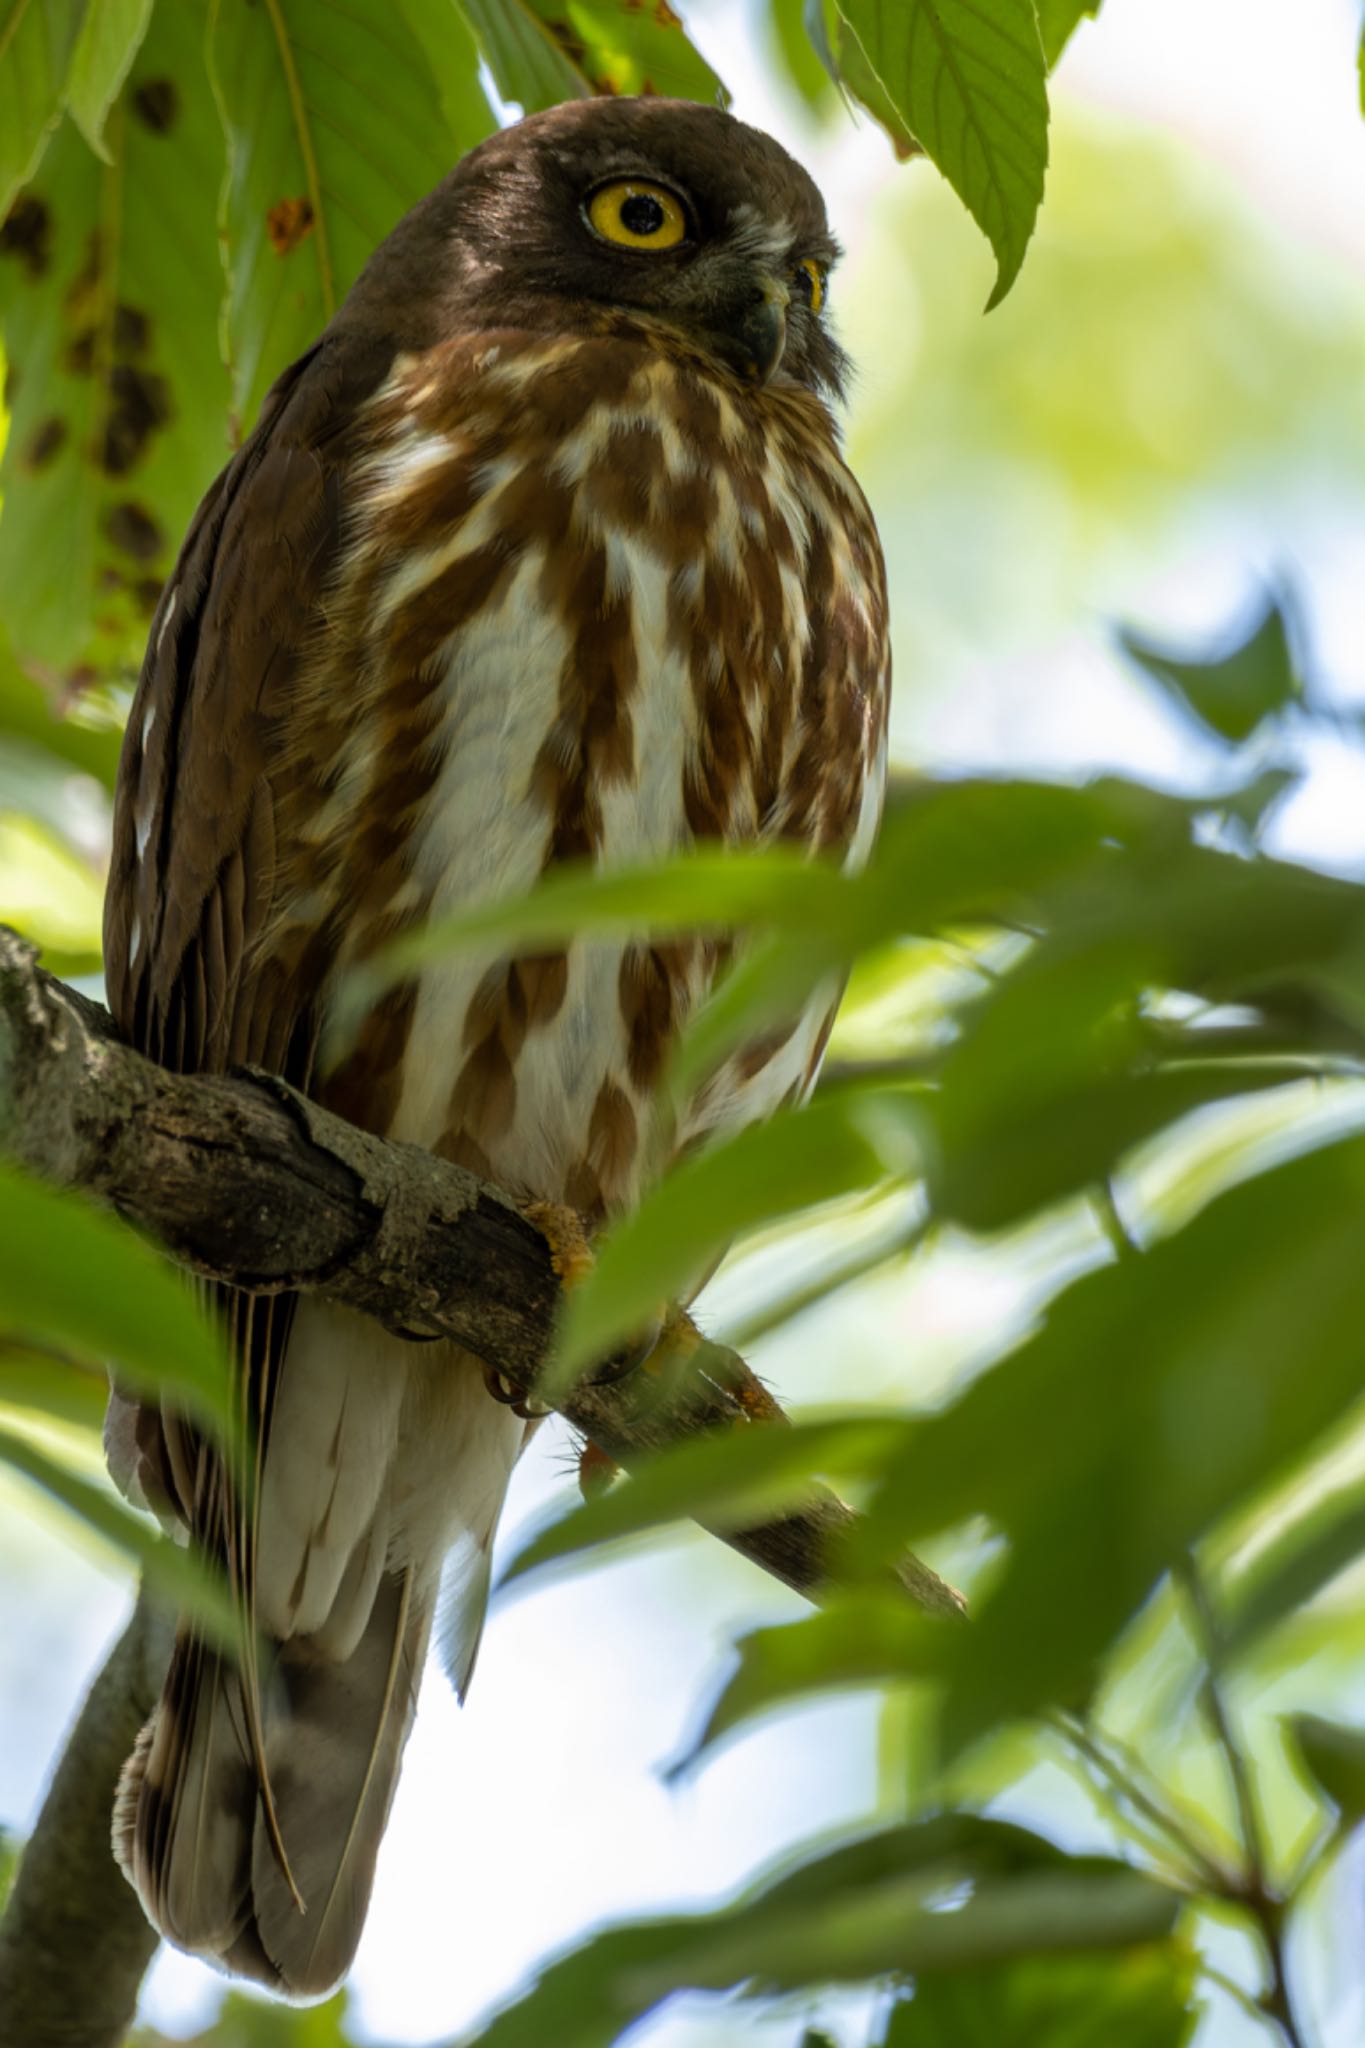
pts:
pixel 546 551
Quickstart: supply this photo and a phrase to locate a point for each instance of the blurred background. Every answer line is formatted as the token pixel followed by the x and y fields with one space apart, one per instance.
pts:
pixel 1165 417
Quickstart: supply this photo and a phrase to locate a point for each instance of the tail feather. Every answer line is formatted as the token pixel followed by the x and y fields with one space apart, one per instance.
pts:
pixel 250 1814
pixel 190 1824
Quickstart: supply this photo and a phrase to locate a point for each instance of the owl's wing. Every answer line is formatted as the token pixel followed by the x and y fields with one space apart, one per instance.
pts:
pixel 194 880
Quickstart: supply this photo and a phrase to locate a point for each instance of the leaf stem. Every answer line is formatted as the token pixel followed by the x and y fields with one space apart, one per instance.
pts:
pixel 1125 1777
pixel 1255 1891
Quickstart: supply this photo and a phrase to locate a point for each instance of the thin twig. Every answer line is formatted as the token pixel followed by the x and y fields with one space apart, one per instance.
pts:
pixel 1129 1783
pixel 1257 1893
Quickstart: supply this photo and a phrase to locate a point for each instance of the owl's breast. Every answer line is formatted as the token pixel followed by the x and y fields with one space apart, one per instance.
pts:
pixel 592 611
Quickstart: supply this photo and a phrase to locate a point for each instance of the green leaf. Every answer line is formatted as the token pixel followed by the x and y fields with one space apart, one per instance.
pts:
pixel 544 51
pixel 784 26
pixel 120 397
pixel 180 1577
pixel 1058 21
pixel 725 1481
pixel 864 1638
pixel 453 54
pixel 111 36
pixel 530 63
pixel 845 1141
pixel 28 714
pixel 709 888
pixel 1156 1396
pixel 41 1383
pixel 1234 692
pixel 81 1282
pixel 1325 1537
pixel 1335 1756
pixel 50 895
pixel 970 85
pixel 857 1913
pixel 1140 1999
pixel 335 126
pixel 37 38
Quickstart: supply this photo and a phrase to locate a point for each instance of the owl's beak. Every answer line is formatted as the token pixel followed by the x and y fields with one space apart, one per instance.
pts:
pixel 760 333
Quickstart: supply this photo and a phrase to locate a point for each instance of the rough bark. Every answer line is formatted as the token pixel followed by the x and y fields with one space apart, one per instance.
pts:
pixel 74 1942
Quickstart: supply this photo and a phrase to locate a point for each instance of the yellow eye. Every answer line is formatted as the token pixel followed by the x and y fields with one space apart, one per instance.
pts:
pixel 809 282
pixel 637 216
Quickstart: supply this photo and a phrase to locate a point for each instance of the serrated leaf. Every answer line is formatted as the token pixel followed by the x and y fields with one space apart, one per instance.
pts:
pixel 335 126
pixel 723 1481
pixel 1235 691
pixel 110 38
pixel 120 398
pixel 843 1142
pixel 970 85
pixel 1058 21
pixel 1141 1999
pixel 182 1579
pixel 78 1280
pixel 37 38
pixel 1335 1755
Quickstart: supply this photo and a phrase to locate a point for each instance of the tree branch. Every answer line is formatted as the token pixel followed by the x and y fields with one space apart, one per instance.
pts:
pixel 74 1942
pixel 243 1179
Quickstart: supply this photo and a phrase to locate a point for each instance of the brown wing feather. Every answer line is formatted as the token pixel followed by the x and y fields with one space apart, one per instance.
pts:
pixel 193 882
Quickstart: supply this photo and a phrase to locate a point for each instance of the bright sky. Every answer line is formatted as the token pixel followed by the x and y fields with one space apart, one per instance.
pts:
pixel 539 1809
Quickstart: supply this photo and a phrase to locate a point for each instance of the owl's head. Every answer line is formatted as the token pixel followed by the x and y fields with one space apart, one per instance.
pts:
pixel 662 209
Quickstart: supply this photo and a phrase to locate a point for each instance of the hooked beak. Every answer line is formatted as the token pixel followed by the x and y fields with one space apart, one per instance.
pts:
pixel 759 333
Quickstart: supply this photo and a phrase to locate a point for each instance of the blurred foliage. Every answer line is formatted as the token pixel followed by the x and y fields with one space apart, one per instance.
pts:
pixel 1105 1013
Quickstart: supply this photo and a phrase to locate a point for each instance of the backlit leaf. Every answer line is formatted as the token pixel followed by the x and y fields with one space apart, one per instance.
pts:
pixel 120 398
pixel 661 1252
pixel 75 1278
pixel 1336 1757
pixel 1143 1999
pixel 182 1579
pixel 970 85
pixel 110 38
pixel 335 127
pixel 855 1913
pixel 37 38
pixel 1058 21
pixel 722 1480
pixel 1156 1394
pixel 863 1638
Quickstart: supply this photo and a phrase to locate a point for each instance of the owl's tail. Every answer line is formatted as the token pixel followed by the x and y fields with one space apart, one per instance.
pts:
pixel 192 1827
pixel 252 1837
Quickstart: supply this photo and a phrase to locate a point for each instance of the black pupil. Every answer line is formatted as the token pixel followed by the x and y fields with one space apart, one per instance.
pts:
pixel 805 284
pixel 641 214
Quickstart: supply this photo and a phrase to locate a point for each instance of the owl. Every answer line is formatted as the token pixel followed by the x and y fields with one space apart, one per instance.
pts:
pixel 546 551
